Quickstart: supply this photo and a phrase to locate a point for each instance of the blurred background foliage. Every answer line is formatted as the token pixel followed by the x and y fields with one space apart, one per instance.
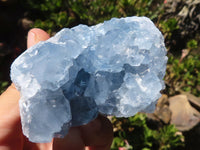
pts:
pixel 180 29
pixel 52 15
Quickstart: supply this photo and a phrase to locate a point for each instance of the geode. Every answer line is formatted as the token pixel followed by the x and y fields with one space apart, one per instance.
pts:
pixel 113 68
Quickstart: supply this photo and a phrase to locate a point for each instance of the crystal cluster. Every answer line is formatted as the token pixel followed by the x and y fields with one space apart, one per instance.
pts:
pixel 113 68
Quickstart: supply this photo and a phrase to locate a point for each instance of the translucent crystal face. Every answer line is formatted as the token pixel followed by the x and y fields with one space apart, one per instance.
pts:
pixel 114 68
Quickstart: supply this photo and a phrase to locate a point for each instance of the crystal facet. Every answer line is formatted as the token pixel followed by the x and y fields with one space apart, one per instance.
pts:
pixel 113 68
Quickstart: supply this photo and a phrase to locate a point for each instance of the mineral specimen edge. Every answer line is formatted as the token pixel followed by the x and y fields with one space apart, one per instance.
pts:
pixel 113 68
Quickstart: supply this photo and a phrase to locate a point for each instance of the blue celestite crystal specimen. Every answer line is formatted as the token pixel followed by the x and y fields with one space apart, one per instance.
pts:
pixel 113 68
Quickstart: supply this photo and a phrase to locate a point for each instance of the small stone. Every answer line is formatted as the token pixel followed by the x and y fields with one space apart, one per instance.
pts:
pixel 162 110
pixel 184 116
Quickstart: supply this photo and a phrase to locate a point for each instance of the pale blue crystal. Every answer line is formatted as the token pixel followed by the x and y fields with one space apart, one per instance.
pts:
pixel 114 68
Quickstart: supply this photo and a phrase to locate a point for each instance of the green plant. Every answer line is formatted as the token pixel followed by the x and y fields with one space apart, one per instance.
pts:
pixel 168 27
pixel 192 44
pixel 183 76
pixel 134 134
pixel 168 138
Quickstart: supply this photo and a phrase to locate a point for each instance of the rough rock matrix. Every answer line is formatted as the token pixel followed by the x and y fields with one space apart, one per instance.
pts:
pixel 114 68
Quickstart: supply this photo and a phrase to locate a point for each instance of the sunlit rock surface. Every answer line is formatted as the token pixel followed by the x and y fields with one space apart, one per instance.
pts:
pixel 114 68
